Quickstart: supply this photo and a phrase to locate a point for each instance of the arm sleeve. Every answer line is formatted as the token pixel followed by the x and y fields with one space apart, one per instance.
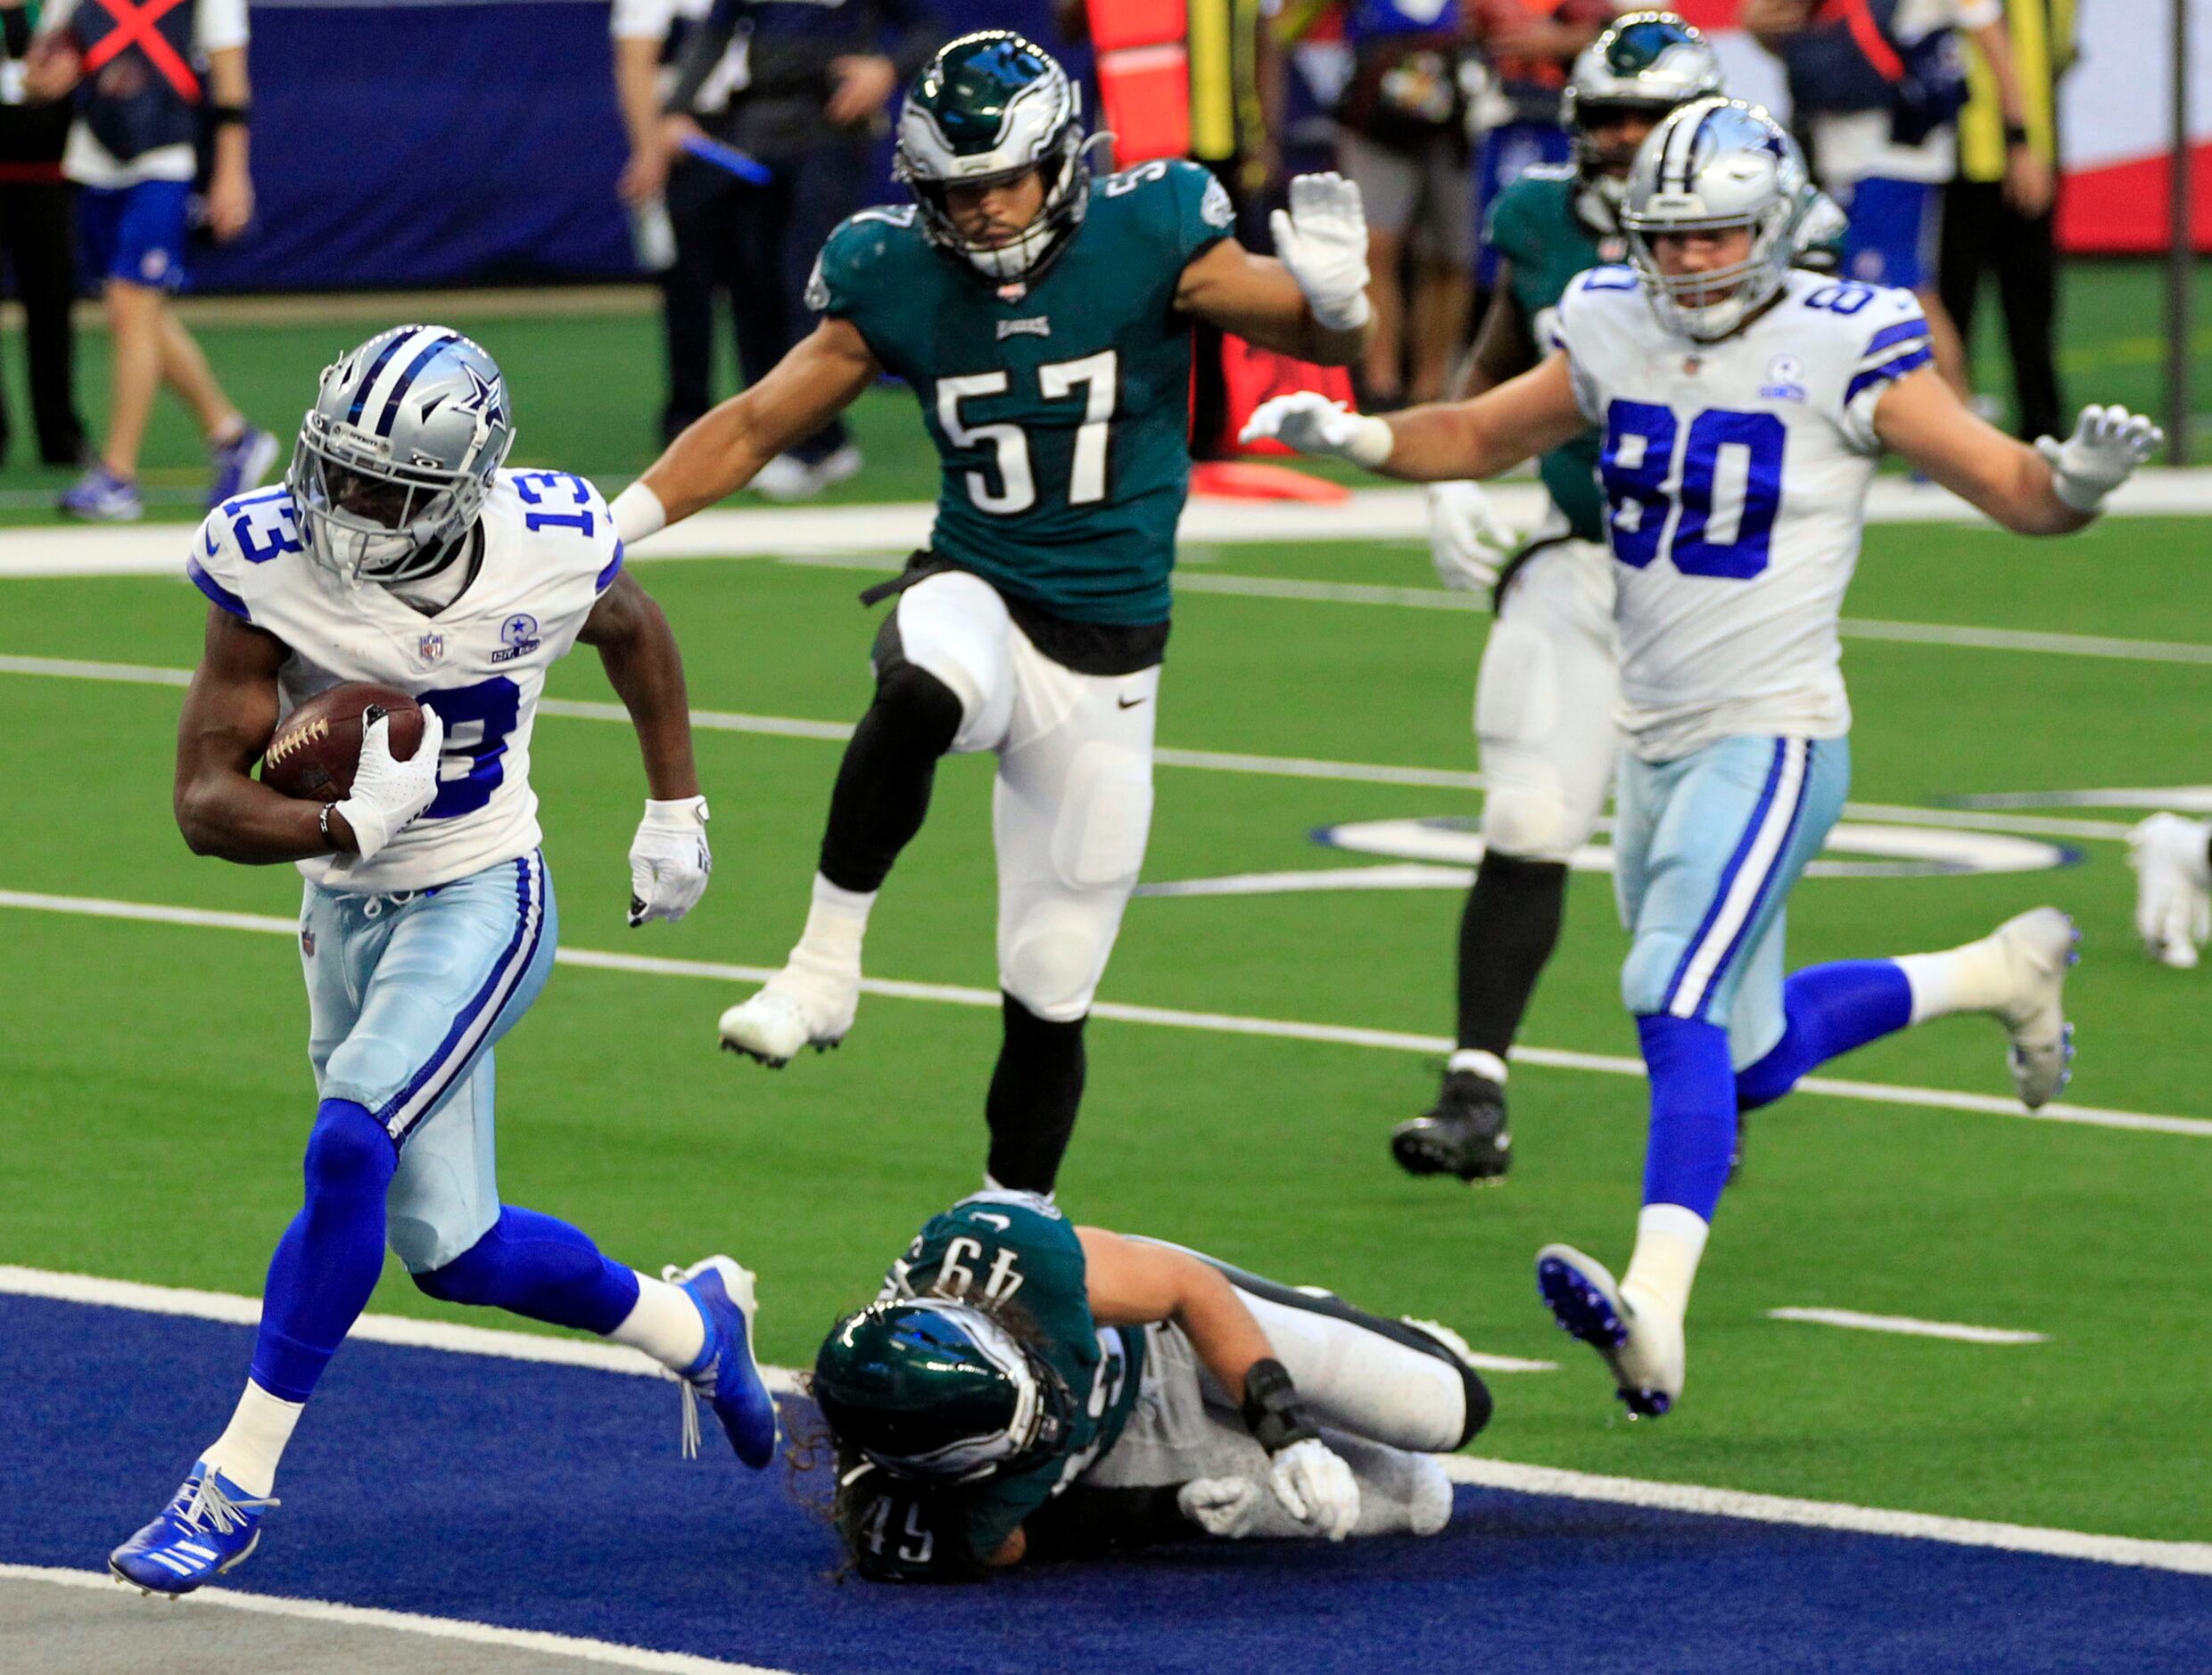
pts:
pixel 1894 341
pixel 218 25
pixel 702 52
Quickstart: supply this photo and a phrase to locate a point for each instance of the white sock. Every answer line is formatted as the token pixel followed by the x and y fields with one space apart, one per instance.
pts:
pixel 253 1442
pixel 835 924
pixel 991 1185
pixel 665 1323
pixel 1486 1065
pixel 1972 978
pixel 1669 1241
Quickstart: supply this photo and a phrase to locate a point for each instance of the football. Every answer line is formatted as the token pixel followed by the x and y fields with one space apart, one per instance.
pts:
pixel 316 748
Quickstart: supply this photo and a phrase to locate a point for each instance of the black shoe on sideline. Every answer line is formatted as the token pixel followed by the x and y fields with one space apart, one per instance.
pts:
pixel 1462 1133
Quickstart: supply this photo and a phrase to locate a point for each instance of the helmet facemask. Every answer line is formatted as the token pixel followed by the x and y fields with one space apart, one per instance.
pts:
pixel 374 520
pixel 1028 253
pixel 1713 165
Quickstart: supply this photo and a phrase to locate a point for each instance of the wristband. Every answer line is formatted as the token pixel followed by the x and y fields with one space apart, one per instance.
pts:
pixel 1372 442
pixel 2016 133
pixel 1272 1412
pixel 222 116
pixel 322 824
pixel 638 512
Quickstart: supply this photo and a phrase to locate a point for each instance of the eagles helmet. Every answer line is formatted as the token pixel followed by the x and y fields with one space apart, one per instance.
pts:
pixel 1648 62
pixel 1713 165
pixel 938 1390
pixel 988 108
pixel 397 454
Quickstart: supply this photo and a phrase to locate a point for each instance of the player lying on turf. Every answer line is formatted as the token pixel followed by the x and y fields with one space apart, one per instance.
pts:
pixel 399 552
pixel 1043 319
pixel 1024 1387
pixel 1743 409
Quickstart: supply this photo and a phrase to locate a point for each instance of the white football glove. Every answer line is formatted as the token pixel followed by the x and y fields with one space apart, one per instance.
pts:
pixel 1312 424
pixel 1223 1506
pixel 388 794
pixel 1323 240
pixel 669 860
pixel 1466 540
pixel 1316 1488
pixel 2108 443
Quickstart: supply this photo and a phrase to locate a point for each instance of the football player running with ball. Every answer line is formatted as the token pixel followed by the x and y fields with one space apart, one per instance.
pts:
pixel 1545 698
pixel 400 552
pixel 1742 409
pixel 1043 319
pixel 1025 1388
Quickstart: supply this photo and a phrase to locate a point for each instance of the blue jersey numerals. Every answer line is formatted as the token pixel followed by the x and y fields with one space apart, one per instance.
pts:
pixel 557 490
pixel 1704 495
pixel 477 721
pixel 263 525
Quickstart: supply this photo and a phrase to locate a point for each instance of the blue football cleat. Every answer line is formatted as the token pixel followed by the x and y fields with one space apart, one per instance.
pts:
pixel 1644 1351
pixel 725 1374
pixel 101 497
pixel 239 464
pixel 209 1527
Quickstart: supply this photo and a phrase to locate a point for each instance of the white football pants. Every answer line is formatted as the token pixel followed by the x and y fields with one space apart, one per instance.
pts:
pixel 1073 804
pixel 1545 703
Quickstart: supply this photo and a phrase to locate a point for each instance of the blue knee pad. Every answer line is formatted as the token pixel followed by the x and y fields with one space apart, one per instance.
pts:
pixel 327 1264
pixel 535 1266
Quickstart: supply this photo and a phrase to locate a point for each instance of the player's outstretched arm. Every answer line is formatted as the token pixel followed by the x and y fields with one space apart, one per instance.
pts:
pixel 1312 302
pixel 669 858
pixel 723 452
pixel 2052 489
pixel 1523 418
pixel 230 712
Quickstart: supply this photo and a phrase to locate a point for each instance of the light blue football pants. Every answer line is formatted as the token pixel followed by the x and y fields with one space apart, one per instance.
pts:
pixel 406 995
pixel 1706 850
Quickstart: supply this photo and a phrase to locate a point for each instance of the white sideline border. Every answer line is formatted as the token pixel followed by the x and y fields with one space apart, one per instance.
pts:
pixel 1907 1325
pixel 1173 1017
pixel 2060 829
pixel 461 1628
pixel 2193 1558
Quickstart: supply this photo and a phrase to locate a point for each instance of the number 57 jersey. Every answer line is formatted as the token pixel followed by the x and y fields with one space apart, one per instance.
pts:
pixel 548 552
pixel 1735 476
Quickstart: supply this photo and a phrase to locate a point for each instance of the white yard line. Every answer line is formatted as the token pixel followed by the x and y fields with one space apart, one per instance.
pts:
pixel 1211 761
pixel 1905 1325
pixel 2189 1557
pixel 583 1651
pixel 1173 1017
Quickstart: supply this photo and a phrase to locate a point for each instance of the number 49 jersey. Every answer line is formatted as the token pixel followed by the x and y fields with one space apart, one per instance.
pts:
pixel 1735 476
pixel 550 551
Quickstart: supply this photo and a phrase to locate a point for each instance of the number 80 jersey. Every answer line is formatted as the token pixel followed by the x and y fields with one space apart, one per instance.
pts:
pixel 1735 476
pixel 550 551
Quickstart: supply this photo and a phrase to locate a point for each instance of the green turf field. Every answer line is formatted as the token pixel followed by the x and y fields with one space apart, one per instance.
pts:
pixel 157 1091
pixel 588 386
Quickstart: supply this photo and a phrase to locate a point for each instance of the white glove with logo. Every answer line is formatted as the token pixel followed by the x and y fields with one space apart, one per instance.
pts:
pixel 1466 540
pixel 388 794
pixel 1312 424
pixel 1323 240
pixel 2108 443
pixel 1316 1487
pixel 669 860
pixel 1223 1506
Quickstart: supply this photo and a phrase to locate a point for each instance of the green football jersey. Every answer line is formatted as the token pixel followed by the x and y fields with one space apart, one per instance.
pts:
pixel 1535 226
pixel 1060 409
pixel 1014 1248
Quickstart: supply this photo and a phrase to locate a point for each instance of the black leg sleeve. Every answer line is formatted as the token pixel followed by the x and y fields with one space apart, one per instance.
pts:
pixel 1035 1091
pixel 1506 936
pixel 883 784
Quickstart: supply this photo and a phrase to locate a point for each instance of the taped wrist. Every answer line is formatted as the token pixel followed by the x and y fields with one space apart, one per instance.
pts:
pixel 1272 1412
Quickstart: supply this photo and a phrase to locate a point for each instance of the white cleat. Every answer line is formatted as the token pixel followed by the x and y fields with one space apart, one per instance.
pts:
pixel 1644 1348
pixel 2173 886
pixel 809 1003
pixel 2037 947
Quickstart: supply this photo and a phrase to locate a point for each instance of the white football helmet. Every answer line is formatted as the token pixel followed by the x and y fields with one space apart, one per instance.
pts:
pixel 397 454
pixel 989 107
pixel 1713 165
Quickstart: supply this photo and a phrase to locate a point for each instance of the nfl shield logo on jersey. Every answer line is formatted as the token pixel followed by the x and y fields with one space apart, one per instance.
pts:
pixel 430 647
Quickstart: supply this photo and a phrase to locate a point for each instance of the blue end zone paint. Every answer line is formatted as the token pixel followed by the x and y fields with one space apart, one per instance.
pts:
pixel 553 1498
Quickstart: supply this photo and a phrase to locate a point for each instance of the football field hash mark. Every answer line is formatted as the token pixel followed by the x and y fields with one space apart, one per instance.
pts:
pixel 1176 1018
pixel 1905 1325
